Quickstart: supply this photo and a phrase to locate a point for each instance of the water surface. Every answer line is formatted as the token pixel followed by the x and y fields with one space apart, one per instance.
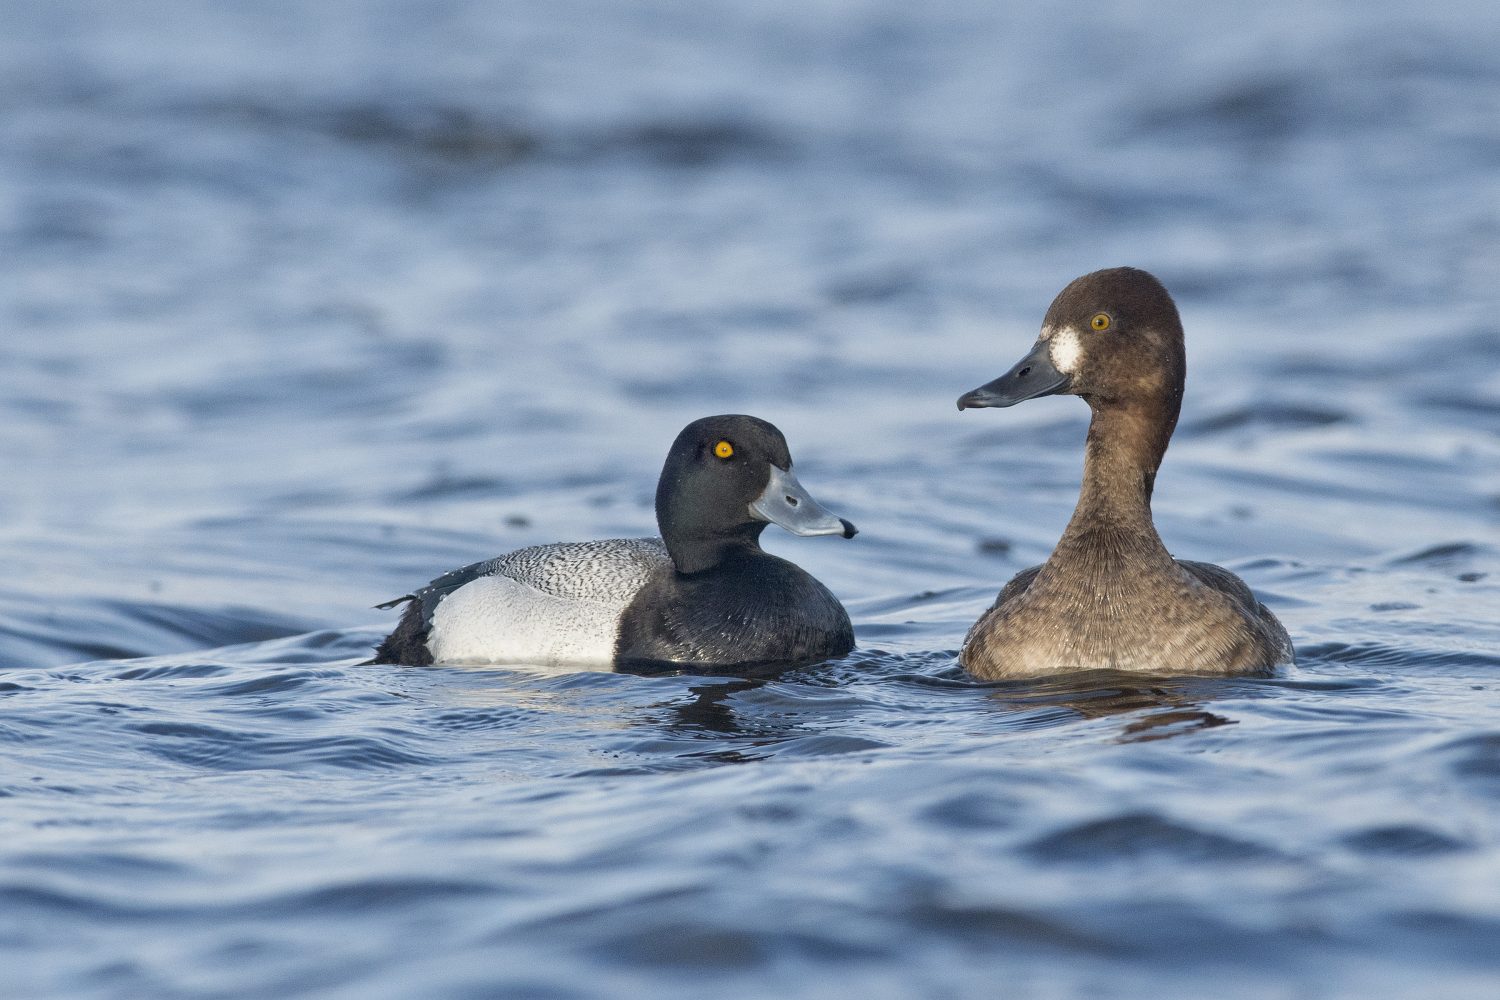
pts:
pixel 305 307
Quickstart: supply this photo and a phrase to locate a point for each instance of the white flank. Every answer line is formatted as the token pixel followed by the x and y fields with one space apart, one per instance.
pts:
pixel 554 605
pixel 496 619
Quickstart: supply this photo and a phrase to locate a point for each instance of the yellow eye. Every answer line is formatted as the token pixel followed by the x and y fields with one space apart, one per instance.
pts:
pixel 724 449
pixel 1100 321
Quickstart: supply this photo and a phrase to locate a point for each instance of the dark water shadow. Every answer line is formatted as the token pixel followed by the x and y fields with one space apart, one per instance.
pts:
pixel 443 135
pixel 750 719
pixel 771 670
pixel 1168 706
pixel 1165 707
pixel 709 711
pixel 38 631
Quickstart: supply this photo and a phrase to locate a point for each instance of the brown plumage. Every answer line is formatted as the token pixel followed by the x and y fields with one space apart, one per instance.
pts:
pixel 1110 596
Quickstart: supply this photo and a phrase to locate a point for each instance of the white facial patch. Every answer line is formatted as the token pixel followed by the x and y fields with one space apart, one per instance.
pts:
pixel 1065 350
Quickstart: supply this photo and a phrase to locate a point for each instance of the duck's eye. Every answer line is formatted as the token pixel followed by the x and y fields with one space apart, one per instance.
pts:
pixel 724 449
pixel 1100 321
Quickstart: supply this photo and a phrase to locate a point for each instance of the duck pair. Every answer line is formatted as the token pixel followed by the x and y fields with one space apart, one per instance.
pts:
pixel 705 594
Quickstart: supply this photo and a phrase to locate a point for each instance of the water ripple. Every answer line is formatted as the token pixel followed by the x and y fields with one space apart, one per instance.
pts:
pixel 303 307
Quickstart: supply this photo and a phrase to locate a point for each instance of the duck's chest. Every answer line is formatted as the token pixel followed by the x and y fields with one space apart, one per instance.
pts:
pixel 1112 617
pixel 765 611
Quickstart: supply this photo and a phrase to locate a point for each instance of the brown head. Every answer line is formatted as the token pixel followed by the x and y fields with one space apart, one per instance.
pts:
pixel 1112 337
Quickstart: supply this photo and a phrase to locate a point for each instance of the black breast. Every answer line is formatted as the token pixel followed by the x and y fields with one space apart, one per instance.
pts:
pixel 752 609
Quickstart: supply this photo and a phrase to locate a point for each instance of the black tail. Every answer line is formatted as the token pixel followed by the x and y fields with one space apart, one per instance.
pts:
pixel 408 643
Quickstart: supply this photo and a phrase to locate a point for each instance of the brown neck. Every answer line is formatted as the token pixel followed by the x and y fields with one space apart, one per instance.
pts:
pixel 1125 447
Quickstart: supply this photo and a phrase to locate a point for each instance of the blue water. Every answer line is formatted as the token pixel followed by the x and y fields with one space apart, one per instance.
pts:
pixel 305 304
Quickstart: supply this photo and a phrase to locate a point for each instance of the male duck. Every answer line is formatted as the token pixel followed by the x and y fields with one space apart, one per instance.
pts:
pixel 1110 596
pixel 703 594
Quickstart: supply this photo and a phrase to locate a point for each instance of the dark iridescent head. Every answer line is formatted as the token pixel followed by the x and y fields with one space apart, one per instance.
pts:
pixel 724 480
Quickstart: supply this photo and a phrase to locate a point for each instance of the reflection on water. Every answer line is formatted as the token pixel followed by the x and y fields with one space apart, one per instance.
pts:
pixel 710 711
pixel 1162 709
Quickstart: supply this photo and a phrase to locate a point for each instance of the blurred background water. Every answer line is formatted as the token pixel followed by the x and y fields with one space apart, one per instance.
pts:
pixel 303 304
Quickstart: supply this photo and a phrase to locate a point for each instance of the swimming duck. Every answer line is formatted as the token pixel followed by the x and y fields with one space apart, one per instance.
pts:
pixel 703 594
pixel 1110 596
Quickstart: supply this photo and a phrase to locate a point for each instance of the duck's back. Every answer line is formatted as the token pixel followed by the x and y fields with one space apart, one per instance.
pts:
pixel 1193 618
pixel 608 570
pixel 547 604
pixel 1265 633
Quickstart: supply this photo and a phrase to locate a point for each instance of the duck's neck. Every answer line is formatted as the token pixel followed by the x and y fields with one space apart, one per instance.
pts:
pixel 698 555
pixel 1124 450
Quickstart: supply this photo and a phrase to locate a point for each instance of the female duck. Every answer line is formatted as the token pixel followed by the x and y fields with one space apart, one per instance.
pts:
pixel 704 594
pixel 1110 596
